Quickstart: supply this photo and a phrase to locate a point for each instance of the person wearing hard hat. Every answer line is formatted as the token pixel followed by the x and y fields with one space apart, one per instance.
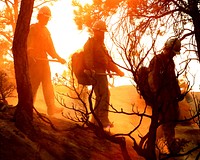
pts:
pixel 99 62
pixel 39 46
pixel 164 84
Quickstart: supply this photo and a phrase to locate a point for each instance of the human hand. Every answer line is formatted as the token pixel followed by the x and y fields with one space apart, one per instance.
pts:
pixel 120 73
pixel 61 60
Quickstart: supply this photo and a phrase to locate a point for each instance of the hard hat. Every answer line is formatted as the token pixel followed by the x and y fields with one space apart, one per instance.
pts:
pixel 100 26
pixel 45 11
pixel 173 44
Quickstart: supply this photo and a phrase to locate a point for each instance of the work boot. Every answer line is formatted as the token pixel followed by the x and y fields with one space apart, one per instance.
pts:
pixel 56 110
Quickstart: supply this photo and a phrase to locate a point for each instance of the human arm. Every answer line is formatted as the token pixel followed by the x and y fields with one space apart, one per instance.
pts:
pixel 155 74
pixel 51 49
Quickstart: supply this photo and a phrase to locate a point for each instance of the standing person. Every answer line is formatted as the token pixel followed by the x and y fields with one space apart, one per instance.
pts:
pixel 39 46
pixel 164 84
pixel 98 60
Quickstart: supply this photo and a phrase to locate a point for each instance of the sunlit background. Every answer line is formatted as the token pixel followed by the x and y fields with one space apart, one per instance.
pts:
pixel 67 39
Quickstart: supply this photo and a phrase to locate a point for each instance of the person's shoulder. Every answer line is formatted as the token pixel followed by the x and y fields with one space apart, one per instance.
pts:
pixel 159 56
pixel 156 59
pixel 33 28
pixel 38 26
pixel 89 41
pixel 34 25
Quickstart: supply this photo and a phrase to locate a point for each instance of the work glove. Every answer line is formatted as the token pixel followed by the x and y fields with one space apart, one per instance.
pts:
pixel 120 73
pixel 61 60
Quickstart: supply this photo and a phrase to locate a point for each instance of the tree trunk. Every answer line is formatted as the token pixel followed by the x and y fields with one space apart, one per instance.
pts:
pixel 24 112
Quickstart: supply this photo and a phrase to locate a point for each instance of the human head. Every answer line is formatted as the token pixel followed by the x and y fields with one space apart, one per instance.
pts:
pixel 99 28
pixel 173 45
pixel 44 14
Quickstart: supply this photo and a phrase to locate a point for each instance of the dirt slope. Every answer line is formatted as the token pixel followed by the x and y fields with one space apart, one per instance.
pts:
pixel 75 143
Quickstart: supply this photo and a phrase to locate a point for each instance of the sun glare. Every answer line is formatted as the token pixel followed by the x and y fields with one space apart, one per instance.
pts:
pixel 66 37
pixel 83 2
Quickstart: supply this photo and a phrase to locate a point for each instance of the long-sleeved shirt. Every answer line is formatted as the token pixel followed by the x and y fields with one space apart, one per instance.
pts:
pixel 40 43
pixel 97 57
pixel 162 76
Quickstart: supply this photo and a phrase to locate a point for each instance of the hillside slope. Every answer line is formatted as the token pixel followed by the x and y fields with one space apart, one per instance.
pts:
pixel 75 143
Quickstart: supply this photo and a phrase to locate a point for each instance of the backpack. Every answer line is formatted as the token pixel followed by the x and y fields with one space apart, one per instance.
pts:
pixel 78 67
pixel 143 85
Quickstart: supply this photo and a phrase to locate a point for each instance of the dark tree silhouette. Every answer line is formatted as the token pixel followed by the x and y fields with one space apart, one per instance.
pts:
pixel 24 111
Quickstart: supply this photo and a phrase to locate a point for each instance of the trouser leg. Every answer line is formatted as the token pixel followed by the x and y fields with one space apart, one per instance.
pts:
pixel 48 95
pixel 170 115
pixel 35 79
pixel 48 90
pixel 102 100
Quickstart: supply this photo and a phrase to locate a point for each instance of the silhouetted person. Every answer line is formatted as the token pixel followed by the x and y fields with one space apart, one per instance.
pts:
pixel 98 61
pixel 164 84
pixel 40 45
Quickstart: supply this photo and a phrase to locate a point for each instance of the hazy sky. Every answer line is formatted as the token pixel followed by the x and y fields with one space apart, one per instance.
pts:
pixel 67 39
